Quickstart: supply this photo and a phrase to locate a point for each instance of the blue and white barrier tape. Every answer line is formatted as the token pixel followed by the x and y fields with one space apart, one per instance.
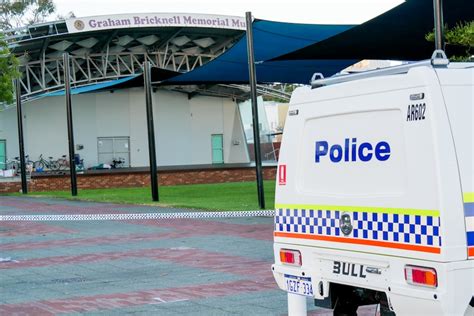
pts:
pixel 139 216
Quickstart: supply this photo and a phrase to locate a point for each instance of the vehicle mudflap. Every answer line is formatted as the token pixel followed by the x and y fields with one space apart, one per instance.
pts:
pixel 324 300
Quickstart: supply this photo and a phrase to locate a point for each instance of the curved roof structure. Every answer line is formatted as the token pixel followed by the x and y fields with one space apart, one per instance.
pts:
pixel 105 48
pixel 108 51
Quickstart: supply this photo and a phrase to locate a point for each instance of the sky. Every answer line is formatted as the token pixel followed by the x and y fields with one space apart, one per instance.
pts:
pixel 296 11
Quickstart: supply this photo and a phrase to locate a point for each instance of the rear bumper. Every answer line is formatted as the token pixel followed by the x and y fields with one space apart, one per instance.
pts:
pixel 385 274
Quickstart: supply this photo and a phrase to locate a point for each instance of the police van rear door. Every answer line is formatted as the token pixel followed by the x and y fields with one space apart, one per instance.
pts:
pixel 362 171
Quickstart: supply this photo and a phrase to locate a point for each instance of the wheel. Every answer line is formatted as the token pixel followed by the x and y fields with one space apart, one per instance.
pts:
pixel 38 165
pixel 61 164
pixel 65 164
pixel 54 165
pixel 12 165
pixel 30 164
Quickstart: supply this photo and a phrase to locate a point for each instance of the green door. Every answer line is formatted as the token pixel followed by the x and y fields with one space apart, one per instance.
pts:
pixel 217 148
pixel 3 154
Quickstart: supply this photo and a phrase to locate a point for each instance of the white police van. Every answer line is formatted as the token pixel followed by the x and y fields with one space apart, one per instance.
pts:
pixel 374 193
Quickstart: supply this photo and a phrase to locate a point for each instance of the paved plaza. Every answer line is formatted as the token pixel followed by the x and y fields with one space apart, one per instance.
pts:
pixel 135 267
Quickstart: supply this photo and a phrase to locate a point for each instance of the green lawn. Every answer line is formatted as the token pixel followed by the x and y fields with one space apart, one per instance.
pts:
pixel 221 196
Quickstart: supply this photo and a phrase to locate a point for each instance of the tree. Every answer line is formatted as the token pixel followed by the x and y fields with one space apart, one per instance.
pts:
pixel 461 35
pixel 15 14
pixel 8 72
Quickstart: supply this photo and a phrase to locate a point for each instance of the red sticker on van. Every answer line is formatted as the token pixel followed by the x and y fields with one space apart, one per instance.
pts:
pixel 282 174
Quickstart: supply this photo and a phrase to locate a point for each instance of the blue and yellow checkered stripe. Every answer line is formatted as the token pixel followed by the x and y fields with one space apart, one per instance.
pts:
pixel 386 225
pixel 469 213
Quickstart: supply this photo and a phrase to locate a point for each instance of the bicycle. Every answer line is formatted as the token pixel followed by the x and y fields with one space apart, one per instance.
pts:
pixel 28 164
pixel 62 163
pixel 15 164
pixel 118 162
pixel 43 164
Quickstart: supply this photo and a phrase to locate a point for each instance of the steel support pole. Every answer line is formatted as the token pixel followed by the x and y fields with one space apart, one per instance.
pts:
pixel 151 130
pixel 438 24
pixel 70 130
pixel 19 114
pixel 253 92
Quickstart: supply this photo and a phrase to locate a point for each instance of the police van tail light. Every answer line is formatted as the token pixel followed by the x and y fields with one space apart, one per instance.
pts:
pixel 291 257
pixel 421 276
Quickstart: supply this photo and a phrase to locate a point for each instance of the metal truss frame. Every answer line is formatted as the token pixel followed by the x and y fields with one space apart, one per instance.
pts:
pixel 46 74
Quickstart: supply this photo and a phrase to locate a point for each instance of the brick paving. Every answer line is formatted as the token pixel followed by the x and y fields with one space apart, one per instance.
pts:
pixel 154 296
pixel 172 267
pixel 9 229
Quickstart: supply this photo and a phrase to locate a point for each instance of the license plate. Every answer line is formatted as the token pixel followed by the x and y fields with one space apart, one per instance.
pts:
pixel 299 285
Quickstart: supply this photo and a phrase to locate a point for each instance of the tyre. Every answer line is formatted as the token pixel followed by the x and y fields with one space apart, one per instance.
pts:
pixel 54 165
pixel 38 165
pixel 63 164
pixel 60 163
pixel 12 165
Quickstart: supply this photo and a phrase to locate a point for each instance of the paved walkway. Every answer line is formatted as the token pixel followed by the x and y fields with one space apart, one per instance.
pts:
pixel 166 267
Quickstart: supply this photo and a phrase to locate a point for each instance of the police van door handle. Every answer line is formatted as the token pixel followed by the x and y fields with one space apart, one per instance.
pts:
pixel 373 270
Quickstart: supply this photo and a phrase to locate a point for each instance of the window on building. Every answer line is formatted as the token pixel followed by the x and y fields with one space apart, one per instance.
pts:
pixel 114 148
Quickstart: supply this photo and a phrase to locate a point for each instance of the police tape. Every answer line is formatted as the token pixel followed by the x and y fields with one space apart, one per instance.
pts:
pixel 139 216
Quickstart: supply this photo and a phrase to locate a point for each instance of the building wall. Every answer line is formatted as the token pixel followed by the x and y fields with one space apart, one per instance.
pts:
pixel 138 128
pixel 85 128
pixel 234 137
pixel 8 131
pixel 183 127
